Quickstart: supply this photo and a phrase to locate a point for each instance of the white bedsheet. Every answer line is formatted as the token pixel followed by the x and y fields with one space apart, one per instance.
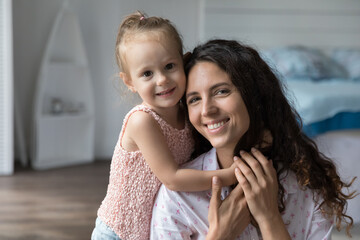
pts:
pixel 316 101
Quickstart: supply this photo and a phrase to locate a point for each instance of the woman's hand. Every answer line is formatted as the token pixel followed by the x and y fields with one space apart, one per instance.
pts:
pixel 257 177
pixel 227 218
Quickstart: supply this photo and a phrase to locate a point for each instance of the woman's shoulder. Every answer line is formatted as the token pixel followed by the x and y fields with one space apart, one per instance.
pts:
pixel 291 184
pixel 293 189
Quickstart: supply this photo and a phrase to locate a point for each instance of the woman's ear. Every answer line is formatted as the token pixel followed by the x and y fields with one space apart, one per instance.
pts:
pixel 127 80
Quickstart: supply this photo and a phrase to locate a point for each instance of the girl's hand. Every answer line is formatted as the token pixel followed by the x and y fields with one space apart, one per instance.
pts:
pixel 227 218
pixel 258 179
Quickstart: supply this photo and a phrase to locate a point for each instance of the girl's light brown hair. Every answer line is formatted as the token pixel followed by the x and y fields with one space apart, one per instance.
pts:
pixel 139 23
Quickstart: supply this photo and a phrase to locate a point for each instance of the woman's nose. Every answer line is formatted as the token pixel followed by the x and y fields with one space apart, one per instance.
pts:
pixel 208 107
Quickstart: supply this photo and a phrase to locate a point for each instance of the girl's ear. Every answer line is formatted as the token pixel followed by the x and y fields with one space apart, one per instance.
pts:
pixel 127 80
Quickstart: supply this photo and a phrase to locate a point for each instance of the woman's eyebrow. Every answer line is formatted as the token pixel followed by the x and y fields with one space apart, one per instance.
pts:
pixel 191 94
pixel 211 88
pixel 219 85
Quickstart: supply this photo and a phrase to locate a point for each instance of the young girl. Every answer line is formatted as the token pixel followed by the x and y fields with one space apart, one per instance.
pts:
pixel 155 138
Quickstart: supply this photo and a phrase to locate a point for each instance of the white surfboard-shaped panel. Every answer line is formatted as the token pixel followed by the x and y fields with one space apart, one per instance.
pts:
pixel 63 129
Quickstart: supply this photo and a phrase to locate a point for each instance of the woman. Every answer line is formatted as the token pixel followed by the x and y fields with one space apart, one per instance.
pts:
pixel 235 102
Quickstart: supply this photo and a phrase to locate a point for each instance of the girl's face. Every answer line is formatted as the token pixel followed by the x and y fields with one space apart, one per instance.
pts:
pixel 216 108
pixel 155 71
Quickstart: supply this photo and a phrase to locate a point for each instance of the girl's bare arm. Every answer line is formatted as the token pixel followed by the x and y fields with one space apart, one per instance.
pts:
pixel 146 134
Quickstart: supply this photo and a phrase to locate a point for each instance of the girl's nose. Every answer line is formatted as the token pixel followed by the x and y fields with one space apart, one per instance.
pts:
pixel 162 79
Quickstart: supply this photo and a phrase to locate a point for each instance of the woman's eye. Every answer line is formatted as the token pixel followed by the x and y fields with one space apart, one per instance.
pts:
pixel 222 91
pixel 147 74
pixel 169 66
pixel 193 100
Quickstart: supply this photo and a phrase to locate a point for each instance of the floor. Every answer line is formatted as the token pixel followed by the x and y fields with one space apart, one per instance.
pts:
pixel 60 204
pixel 56 204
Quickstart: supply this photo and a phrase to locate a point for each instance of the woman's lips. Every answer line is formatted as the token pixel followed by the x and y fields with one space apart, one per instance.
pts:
pixel 216 125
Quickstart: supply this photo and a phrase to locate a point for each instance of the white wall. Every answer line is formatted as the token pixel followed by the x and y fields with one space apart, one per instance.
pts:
pixel 324 24
pixel 99 21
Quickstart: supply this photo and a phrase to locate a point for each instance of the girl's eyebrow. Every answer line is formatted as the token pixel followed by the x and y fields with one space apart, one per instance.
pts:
pixel 211 88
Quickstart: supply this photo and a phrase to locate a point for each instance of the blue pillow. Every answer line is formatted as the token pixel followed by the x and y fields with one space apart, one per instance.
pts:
pixel 299 62
pixel 350 59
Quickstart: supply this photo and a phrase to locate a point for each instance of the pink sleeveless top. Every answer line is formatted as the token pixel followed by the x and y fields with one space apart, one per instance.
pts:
pixel 132 188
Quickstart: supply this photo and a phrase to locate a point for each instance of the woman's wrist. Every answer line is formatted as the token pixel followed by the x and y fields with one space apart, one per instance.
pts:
pixel 211 235
pixel 274 228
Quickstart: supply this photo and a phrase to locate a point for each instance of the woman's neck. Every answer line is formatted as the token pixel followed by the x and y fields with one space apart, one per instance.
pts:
pixel 225 157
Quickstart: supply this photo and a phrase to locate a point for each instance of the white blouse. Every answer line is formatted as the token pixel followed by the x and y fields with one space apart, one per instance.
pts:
pixel 183 215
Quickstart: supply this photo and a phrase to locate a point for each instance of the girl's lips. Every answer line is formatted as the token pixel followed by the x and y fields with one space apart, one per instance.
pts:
pixel 166 92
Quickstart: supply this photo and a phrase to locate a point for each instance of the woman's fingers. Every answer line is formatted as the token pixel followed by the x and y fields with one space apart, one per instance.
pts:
pixel 266 164
pixel 243 182
pixel 246 171
pixel 215 200
pixel 229 217
pixel 257 177
pixel 216 192
pixel 254 164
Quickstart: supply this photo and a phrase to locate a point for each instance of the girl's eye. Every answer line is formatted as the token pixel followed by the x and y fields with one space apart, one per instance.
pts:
pixel 169 66
pixel 147 74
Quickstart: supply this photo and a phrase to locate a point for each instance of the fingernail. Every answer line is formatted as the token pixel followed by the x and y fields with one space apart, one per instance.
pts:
pixel 253 149
pixel 236 158
pixel 242 152
pixel 215 180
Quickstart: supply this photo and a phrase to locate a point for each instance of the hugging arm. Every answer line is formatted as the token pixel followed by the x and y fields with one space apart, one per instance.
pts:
pixel 148 137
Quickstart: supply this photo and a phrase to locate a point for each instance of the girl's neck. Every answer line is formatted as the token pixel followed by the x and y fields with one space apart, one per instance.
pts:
pixel 172 115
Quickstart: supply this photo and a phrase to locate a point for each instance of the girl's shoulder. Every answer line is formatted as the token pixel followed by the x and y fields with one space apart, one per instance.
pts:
pixel 138 122
pixel 141 117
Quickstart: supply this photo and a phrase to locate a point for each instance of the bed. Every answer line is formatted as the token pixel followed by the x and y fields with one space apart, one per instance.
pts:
pixel 314 47
pixel 324 88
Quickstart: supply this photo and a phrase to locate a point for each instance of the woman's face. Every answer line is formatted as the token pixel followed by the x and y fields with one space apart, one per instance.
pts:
pixel 216 108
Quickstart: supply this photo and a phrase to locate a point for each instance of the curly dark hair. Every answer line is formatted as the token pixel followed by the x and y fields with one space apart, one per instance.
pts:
pixel 270 111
